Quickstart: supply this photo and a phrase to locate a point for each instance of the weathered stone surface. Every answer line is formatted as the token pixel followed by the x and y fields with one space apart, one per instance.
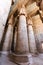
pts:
pixel 30 2
pixel 32 9
pixel 22 39
pixel 4 11
pixel 21 58
pixel 4 60
pixel 38 30
pixel 17 5
pixel 41 5
pixel 9 35
pixel 38 2
pixel 41 13
pixel 15 37
pixel 32 43
pixel 22 48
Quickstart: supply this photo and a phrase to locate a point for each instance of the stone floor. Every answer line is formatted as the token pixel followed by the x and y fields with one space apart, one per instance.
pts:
pixel 38 60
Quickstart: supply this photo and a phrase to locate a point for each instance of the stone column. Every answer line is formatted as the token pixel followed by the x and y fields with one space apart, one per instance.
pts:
pixel 38 30
pixel 15 37
pixel 22 39
pixel 9 35
pixel 31 37
pixel 22 48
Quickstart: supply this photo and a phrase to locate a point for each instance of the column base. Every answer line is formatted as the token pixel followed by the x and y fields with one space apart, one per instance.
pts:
pixel 20 59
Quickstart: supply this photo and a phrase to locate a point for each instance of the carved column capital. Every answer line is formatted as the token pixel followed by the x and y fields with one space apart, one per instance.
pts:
pixel 23 11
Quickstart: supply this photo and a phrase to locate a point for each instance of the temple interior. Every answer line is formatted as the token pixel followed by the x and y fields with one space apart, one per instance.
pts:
pixel 21 32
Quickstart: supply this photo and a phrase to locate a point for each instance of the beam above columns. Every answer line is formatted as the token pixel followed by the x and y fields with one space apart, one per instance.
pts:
pixel 17 5
pixel 32 9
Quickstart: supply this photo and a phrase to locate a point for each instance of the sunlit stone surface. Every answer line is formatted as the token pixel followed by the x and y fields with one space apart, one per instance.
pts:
pixel 21 55
pixel 4 11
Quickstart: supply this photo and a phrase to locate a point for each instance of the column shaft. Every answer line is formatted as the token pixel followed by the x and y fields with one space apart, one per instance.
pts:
pixel 31 37
pixel 9 35
pixel 15 37
pixel 22 39
pixel 4 11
